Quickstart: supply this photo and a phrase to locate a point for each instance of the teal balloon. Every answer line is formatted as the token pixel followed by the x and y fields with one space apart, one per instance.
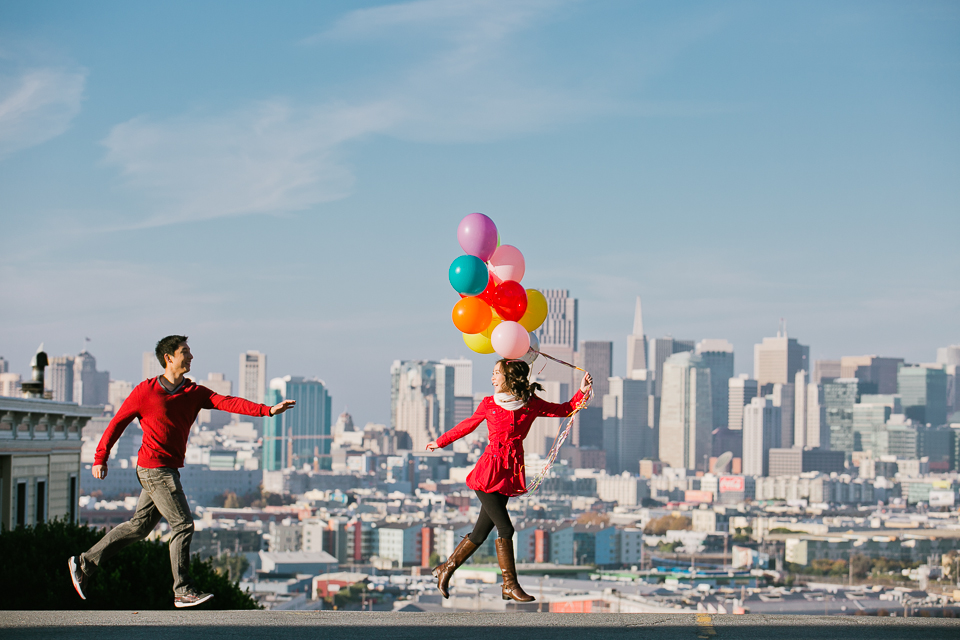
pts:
pixel 468 275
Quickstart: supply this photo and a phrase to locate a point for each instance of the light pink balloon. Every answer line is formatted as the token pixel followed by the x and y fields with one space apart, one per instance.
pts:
pixel 507 263
pixel 510 340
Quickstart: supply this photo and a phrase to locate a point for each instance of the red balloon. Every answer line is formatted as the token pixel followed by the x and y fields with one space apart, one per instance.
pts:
pixel 488 295
pixel 510 300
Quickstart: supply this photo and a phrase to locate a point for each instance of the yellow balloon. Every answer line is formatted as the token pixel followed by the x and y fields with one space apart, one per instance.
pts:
pixel 478 342
pixel 536 311
pixel 494 321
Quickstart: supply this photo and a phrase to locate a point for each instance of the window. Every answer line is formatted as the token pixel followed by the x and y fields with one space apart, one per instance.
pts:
pixel 41 502
pixel 21 503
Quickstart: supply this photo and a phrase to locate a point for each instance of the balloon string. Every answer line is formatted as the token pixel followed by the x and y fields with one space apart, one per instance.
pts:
pixel 572 366
pixel 562 432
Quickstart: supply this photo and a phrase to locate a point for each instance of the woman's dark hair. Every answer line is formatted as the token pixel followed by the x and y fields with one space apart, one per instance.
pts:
pixel 168 347
pixel 516 373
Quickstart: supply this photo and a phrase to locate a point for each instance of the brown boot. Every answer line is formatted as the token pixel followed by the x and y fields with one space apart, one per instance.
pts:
pixel 511 588
pixel 444 571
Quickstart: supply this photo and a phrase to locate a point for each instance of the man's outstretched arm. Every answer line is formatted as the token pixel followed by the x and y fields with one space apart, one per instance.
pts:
pixel 129 410
pixel 232 404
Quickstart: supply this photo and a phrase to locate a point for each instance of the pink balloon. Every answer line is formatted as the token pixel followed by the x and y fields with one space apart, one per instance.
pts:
pixel 510 340
pixel 477 236
pixel 507 263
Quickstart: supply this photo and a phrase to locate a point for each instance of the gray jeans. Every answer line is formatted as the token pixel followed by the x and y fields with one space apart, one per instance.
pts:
pixel 162 497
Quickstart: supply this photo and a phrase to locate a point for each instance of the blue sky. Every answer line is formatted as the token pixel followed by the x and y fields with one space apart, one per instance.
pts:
pixel 288 177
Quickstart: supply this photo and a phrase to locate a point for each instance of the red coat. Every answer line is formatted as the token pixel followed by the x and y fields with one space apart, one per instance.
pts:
pixel 500 468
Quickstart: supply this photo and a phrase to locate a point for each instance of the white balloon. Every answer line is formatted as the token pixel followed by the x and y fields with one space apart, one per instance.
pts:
pixel 533 351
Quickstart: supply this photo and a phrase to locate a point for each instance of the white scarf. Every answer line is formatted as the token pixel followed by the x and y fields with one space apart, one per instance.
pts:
pixel 508 401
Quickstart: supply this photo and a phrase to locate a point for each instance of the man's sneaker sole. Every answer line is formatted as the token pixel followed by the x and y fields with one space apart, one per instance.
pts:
pixel 182 604
pixel 74 570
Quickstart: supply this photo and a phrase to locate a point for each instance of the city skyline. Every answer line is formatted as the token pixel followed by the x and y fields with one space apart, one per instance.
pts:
pixel 289 181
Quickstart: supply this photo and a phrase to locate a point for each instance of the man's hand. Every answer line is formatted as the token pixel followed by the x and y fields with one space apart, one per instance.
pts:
pixel 432 446
pixel 277 409
pixel 100 471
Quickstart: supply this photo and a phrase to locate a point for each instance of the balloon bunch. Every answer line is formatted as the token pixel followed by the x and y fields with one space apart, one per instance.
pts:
pixel 495 313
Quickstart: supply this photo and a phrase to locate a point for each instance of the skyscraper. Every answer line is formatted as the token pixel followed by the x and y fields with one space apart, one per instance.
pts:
pixel 253 376
pixel 949 355
pixel 881 371
pixel 761 432
pixel 462 387
pixel 151 367
pixel 597 358
pixel 660 350
pixel 422 401
pixel 686 418
pixel 90 387
pixel 302 436
pixel 117 392
pixel 741 391
pixel 809 424
pixel 627 437
pixel 218 383
pixel 636 345
pixel 717 356
pixel 777 360
pixel 59 378
pixel 784 396
pixel 923 391
pixel 839 396
pixel 826 370
pixel 558 338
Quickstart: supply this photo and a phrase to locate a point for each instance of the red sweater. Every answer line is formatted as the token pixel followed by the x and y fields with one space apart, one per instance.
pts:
pixel 166 419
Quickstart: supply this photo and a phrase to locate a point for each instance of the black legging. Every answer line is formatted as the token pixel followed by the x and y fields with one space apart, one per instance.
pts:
pixel 493 511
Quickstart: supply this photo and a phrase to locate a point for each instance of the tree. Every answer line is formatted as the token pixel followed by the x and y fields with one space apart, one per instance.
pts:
pixel 861 565
pixel 434 559
pixel 672 522
pixel 33 574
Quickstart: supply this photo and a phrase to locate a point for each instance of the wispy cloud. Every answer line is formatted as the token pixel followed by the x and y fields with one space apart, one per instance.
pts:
pixel 463 71
pixel 37 105
pixel 271 157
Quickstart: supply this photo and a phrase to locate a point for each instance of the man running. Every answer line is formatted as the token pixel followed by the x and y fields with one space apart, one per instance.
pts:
pixel 167 407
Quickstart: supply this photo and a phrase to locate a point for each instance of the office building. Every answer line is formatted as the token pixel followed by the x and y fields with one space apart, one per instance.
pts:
pixel 58 378
pixel 90 387
pixel 597 358
pixel 923 392
pixel 796 460
pixel 761 432
pixel 300 438
pixel 741 390
pixel 218 383
pixel 636 346
pixel 117 392
pixel 253 376
pixel 717 356
pixel 783 396
pixel 880 371
pixel 627 437
pixel 777 360
pixel 558 337
pixel 4 365
pixel 839 396
pixel 945 355
pixel 686 408
pixel 809 423
pixel 10 385
pixel 462 376
pixel 422 401
pixel 660 350
pixel 151 367
pixel 826 371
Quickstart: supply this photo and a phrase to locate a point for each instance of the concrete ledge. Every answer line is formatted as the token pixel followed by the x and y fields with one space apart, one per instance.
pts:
pixel 303 625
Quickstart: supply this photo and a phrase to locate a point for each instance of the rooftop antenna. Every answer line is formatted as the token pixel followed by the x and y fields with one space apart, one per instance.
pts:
pixel 782 328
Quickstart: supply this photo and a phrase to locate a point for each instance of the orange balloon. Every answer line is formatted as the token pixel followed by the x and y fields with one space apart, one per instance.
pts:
pixel 471 315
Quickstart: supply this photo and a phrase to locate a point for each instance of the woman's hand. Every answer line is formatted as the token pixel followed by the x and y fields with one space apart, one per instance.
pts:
pixel 432 446
pixel 584 385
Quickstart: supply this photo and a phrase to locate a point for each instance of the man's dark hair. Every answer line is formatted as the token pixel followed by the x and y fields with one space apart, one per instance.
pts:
pixel 169 346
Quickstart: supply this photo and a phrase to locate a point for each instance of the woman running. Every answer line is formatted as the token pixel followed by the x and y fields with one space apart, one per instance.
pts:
pixel 498 475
